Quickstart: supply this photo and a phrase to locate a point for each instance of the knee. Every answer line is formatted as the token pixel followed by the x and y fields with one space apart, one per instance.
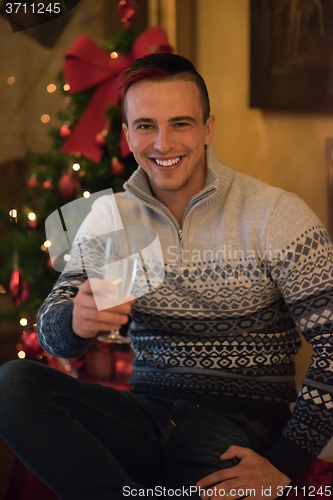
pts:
pixel 14 379
pixel 16 394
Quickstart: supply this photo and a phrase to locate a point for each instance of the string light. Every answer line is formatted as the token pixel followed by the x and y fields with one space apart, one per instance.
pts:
pixel 45 118
pixel 32 216
pixel 51 88
pixel 13 214
pixel 66 87
pixel 23 321
pixel 76 166
pixel 21 354
pixel 113 55
pixel 45 245
pixel 67 257
pixel 11 80
pixel 86 194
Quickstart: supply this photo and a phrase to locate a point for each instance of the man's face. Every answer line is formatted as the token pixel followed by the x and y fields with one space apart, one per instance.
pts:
pixel 167 135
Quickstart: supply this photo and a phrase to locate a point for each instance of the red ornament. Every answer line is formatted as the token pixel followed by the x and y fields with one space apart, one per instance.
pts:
pixel 65 131
pixel 33 181
pixel 33 223
pixel 117 167
pixel 100 139
pixel 18 286
pixel 30 344
pixel 69 185
pixel 48 184
pixel 126 10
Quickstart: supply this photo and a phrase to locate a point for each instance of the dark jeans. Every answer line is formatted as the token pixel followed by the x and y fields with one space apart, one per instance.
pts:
pixel 93 442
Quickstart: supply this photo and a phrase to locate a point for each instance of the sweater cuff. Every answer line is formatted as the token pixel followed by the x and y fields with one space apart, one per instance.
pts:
pixel 76 345
pixel 289 458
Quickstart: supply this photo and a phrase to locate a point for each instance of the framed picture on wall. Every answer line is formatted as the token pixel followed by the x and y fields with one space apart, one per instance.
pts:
pixel 329 163
pixel 291 55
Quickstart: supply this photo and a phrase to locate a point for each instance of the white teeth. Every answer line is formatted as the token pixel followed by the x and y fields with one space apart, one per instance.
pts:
pixel 167 163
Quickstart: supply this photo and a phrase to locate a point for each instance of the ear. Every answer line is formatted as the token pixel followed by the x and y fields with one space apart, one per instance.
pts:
pixel 126 132
pixel 209 129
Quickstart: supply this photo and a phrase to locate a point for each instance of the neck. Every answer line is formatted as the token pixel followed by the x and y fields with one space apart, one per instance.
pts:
pixel 176 201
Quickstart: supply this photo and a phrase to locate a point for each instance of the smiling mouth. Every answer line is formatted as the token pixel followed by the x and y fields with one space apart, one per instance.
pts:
pixel 167 163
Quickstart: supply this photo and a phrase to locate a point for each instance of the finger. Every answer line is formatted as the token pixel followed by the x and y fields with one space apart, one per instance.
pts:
pixel 87 301
pixel 106 317
pixel 96 286
pixel 216 477
pixel 100 287
pixel 91 327
pixel 235 488
pixel 235 452
pixel 215 492
pixel 84 301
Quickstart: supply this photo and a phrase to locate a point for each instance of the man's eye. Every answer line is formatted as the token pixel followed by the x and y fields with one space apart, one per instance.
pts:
pixel 144 126
pixel 182 124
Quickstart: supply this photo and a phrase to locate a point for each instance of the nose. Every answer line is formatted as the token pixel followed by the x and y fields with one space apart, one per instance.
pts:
pixel 164 140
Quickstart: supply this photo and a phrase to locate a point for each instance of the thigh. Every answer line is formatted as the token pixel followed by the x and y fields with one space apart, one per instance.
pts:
pixel 27 383
pixel 195 442
pixel 61 412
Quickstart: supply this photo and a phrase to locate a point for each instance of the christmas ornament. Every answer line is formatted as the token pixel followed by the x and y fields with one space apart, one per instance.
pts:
pixel 70 366
pixel 117 167
pixel 99 364
pixel 32 181
pixel 48 184
pixel 69 184
pixel 88 65
pixel 65 131
pixel 33 223
pixel 29 343
pixel 100 137
pixel 126 10
pixel 18 286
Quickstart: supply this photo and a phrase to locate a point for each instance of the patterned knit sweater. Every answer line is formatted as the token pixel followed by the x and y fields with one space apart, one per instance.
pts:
pixel 249 269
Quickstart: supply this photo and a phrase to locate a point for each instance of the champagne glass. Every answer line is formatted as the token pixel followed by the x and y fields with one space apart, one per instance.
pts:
pixel 120 270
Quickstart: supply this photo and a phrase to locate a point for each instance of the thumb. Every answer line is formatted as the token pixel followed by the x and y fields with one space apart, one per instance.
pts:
pixel 234 452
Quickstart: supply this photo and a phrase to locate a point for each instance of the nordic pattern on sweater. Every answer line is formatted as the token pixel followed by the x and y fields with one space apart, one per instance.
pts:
pixel 229 327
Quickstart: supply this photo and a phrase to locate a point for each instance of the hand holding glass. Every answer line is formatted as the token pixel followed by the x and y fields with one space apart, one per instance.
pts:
pixel 120 270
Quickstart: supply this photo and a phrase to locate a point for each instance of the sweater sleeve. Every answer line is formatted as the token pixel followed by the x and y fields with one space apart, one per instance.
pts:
pixel 302 268
pixel 54 319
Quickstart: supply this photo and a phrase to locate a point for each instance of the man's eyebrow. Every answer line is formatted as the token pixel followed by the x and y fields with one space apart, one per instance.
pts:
pixel 183 118
pixel 142 120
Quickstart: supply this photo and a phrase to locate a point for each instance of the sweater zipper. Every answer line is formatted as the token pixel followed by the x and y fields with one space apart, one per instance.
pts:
pixel 179 231
pixel 181 248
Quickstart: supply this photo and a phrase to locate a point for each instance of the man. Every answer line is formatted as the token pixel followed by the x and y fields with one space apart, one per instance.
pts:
pixel 247 265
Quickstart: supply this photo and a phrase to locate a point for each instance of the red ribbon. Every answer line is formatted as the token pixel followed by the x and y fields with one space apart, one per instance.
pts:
pixel 87 65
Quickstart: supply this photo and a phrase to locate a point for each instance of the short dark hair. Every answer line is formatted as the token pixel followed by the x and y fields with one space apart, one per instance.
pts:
pixel 164 67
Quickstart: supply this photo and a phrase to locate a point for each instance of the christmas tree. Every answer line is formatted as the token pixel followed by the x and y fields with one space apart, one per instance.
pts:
pixel 89 154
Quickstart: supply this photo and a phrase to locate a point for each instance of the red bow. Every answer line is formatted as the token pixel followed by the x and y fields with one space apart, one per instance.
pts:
pixel 87 65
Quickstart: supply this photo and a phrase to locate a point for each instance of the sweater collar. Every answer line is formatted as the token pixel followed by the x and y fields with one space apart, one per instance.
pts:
pixel 217 181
